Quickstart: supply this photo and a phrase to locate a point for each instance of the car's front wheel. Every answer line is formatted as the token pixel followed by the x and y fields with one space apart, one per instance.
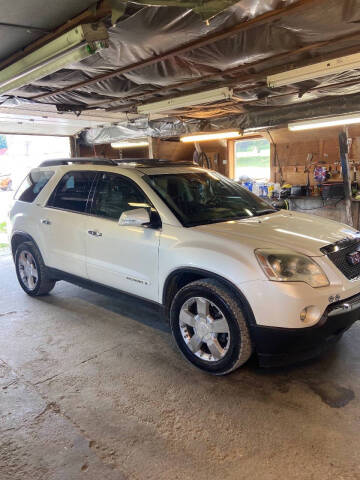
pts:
pixel 209 327
pixel 31 272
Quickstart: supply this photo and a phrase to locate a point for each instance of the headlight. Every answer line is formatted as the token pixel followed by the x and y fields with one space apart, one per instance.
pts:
pixel 283 266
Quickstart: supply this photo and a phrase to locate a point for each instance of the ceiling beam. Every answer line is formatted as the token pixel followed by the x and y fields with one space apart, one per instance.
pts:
pixel 93 14
pixel 258 80
pixel 346 84
pixel 256 77
pixel 228 32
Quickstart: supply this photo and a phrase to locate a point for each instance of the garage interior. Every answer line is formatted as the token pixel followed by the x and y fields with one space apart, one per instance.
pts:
pixel 92 386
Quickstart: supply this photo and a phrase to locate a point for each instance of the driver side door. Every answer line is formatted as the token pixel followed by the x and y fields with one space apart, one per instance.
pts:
pixel 122 257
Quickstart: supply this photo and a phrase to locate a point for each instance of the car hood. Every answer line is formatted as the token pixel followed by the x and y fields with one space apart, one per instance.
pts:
pixel 291 230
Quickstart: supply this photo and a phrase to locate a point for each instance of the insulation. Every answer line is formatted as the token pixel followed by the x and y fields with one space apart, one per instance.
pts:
pixel 145 31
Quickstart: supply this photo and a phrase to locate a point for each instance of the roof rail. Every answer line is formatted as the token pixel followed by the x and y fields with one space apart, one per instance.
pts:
pixel 139 162
pixel 154 162
pixel 70 161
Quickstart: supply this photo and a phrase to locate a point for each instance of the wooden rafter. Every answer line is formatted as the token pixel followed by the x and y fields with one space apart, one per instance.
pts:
pixel 228 32
pixel 254 77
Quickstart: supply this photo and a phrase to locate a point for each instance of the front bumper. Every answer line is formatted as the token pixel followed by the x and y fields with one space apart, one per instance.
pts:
pixel 282 346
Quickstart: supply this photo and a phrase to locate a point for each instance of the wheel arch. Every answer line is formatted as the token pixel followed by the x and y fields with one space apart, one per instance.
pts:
pixel 19 237
pixel 183 276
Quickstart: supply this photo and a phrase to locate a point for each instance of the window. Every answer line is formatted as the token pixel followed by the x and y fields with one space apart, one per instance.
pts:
pixel 199 198
pixel 72 192
pixel 115 195
pixel 32 185
pixel 252 160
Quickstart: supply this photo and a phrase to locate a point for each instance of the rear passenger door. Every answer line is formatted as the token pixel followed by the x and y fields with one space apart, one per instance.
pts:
pixel 123 257
pixel 63 222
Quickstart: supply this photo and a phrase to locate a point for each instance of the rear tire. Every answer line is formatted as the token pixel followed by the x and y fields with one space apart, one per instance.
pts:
pixel 31 271
pixel 209 327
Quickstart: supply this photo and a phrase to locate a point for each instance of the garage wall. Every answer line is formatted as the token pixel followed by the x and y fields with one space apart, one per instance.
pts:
pixel 173 151
pixel 217 151
pixel 106 151
pixel 292 149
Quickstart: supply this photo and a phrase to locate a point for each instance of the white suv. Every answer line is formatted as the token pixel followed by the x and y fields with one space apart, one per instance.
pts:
pixel 234 275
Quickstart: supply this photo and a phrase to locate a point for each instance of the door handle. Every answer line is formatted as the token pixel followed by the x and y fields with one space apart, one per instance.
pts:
pixel 45 221
pixel 94 233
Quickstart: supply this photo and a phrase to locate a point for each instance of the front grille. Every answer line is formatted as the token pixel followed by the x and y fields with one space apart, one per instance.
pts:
pixel 339 259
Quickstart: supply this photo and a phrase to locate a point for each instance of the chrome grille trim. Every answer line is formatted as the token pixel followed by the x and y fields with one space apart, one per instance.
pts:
pixel 341 244
pixel 345 306
pixel 338 256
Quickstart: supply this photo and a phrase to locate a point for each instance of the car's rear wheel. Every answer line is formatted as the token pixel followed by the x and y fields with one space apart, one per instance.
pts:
pixel 209 327
pixel 31 272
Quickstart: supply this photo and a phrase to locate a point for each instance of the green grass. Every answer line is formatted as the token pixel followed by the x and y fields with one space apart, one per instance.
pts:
pixel 253 162
pixel 3 230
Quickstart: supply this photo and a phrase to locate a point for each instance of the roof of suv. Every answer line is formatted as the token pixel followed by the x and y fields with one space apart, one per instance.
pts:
pixel 124 162
pixel 148 165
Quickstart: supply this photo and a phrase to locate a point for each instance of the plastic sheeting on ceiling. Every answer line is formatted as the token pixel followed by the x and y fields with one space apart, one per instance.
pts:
pixel 152 30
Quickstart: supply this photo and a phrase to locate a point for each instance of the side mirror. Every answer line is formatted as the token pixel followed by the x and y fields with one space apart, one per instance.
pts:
pixel 135 217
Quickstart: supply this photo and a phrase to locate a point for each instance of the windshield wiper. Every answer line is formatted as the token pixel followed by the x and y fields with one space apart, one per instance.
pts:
pixel 215 220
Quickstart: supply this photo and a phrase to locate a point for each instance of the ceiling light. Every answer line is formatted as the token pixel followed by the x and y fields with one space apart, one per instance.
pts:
pixel 125 144
pixel 73 46
pixel 318 70
pixel 200 98
pixel 209 136
pixel 325 122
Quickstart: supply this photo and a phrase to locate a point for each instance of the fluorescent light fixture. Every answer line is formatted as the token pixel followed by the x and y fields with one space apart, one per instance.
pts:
pixel 203 137
pixel 318 70
pixel 73 46
pixel 129 144
pixel 200 98
pixel 325 122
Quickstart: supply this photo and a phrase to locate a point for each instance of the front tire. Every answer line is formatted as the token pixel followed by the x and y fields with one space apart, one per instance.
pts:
pixel 31 271
pixel 209 327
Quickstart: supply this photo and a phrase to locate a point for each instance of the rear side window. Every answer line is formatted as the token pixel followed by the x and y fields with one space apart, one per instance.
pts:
pixel 72 192
pixel 32 185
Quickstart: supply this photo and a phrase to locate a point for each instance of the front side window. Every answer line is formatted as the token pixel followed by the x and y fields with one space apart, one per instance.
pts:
pixel 198 198
pixel 114 195
pixel 32 185
pixel 72 192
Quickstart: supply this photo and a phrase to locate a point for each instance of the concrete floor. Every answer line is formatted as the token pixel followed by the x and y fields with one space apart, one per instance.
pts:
pixel 92 387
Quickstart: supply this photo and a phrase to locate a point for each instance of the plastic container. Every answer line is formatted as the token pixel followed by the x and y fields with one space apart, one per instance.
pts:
pixel 248 185
pixel 256 189
pixel 264 191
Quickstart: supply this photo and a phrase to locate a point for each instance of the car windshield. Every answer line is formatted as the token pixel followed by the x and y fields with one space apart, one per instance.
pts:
pixel 203 197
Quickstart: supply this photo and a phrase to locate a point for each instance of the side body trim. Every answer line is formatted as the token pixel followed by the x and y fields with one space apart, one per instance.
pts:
pixel 56 274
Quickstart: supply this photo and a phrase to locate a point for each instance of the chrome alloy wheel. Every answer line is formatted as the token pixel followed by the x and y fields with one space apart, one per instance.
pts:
pixel 27 269
pixel 204 329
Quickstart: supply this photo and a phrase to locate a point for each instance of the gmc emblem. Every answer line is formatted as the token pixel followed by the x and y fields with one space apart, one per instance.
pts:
pixel 353 258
